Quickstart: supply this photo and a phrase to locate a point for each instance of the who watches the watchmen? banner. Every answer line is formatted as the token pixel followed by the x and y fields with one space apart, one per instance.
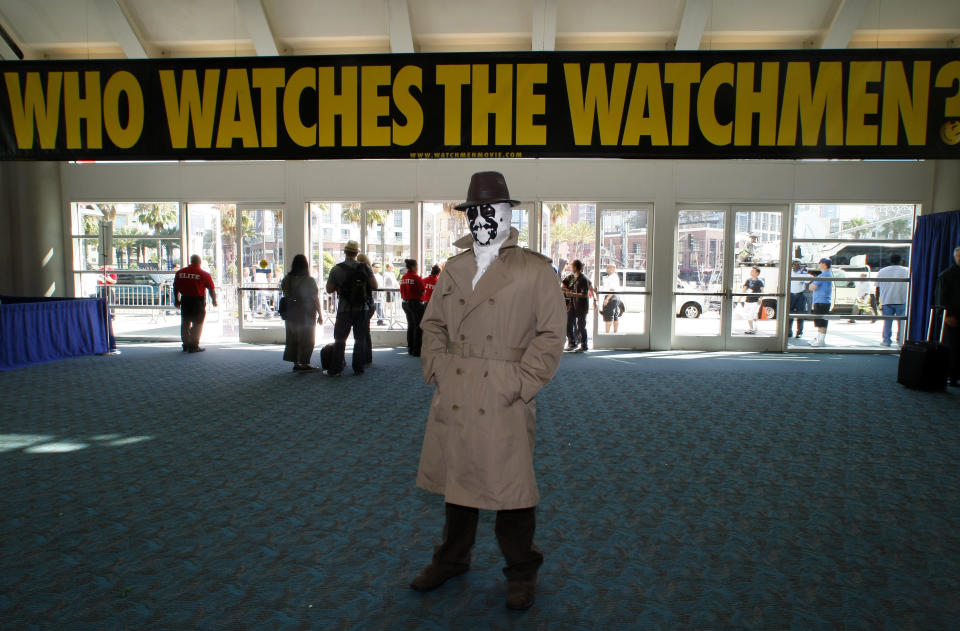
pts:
pixel 769 104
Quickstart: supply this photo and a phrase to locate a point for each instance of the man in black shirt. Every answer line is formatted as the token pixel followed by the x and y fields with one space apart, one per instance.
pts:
pixel 948 287
pixel 576 288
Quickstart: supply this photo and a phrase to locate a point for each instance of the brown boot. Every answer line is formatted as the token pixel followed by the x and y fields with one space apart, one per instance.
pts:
pixel 520 594
pixel 433 576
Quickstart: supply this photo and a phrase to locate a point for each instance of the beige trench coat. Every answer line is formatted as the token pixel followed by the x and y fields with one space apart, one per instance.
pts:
pixel 488 351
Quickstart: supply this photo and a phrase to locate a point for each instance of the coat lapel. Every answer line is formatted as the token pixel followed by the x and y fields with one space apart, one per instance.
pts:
pixel 462 269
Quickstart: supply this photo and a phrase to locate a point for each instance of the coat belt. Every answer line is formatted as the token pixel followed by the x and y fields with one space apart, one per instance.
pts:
pixel 503 353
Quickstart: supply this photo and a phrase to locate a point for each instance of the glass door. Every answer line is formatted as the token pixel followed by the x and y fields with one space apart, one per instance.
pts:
pixel 387 240
pixel 260 243
pixel 620 276
pixel 729 278
pixel 213 235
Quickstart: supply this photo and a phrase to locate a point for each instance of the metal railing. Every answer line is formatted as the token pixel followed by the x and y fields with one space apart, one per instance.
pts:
pixel 136 296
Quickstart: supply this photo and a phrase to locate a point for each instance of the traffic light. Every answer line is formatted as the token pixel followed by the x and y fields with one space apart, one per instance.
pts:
pixel 690 242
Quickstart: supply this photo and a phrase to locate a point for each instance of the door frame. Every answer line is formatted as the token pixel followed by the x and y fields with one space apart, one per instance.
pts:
pixel 725 340
pixel 274 332
pixel 633 341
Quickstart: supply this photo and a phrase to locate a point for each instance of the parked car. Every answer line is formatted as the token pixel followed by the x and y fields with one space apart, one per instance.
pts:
pixel 845 291
pixel 687 306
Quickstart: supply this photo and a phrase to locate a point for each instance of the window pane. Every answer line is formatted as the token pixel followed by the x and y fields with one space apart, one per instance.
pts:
pixel 213 235
pixel 700 269
pixel 850 236
pixel 442 225
pixel 853 221
pixel 569 232
pixel 623 264
pixel 147 218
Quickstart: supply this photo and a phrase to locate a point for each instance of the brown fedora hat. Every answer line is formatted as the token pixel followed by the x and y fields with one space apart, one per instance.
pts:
pixel 487 187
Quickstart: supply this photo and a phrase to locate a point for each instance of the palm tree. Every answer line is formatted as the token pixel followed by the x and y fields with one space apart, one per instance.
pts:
pixel 558 212
pixel 854 224
pixel 158 216
pixel 580 233
pixel 351 214
pixel 897 229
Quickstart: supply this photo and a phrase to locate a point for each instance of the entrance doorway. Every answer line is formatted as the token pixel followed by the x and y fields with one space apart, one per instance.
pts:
pixel 260 242
pixel 730 278
pixel 621 265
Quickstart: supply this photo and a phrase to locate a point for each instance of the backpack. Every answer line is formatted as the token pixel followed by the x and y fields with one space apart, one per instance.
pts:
pixel 355 291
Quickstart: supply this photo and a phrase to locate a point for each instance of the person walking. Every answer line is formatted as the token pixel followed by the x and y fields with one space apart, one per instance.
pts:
pixel 303 314
pixel 492 337
pixel 822 297
pixel 948 291
pixel 752 304
pixel 411 292
pixel 352 281
pixel 190 287
pixel 893 298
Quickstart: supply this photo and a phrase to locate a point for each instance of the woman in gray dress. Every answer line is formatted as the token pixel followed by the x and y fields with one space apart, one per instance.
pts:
pixel 303 313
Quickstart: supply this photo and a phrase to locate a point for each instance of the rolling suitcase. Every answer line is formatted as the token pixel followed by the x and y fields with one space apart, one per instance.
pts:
pixel 326 357
pixel 924 365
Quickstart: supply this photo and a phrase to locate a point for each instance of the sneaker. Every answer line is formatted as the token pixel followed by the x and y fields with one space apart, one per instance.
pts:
pixel 750 332
pixel 571 347
pixel 817 343
pixel 580 350
pixel 197 350
pixel 886 343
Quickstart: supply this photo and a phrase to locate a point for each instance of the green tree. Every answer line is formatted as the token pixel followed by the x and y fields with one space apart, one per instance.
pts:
pixel 579 235
pixel 351 214
pixel 897 229
pixel 158 217
pixel 558 212
pixel 854 224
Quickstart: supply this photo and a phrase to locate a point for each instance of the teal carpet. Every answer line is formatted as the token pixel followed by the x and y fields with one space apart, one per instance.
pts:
pixel 161 490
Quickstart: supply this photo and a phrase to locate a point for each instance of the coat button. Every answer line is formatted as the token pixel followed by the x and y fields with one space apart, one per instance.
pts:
pixel 462 301
pixel 481 412
pixel 484 373
pixel 459 371
pixel 456 407
pixel 489 338
pixel 463 337
pixel 490 301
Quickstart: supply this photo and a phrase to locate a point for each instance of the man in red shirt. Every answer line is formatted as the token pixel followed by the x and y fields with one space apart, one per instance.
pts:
pixel 411 291
pixel 190 286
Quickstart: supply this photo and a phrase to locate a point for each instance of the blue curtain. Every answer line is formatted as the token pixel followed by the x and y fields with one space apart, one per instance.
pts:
pixel 38 330
pixel 934 240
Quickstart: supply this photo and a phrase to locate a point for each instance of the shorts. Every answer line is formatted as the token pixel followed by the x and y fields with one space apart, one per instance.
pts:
pixel 611 310
pixel 820 308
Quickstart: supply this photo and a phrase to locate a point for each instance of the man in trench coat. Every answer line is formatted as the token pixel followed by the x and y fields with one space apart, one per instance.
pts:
pixel 492 337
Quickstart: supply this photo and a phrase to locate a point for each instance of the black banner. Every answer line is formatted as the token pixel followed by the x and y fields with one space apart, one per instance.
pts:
pixel 758 104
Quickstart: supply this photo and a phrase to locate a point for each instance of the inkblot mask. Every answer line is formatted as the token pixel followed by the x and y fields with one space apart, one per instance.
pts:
pixel 489 223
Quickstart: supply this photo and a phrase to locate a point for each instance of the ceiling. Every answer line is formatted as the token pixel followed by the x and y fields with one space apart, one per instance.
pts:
pixel 94 29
